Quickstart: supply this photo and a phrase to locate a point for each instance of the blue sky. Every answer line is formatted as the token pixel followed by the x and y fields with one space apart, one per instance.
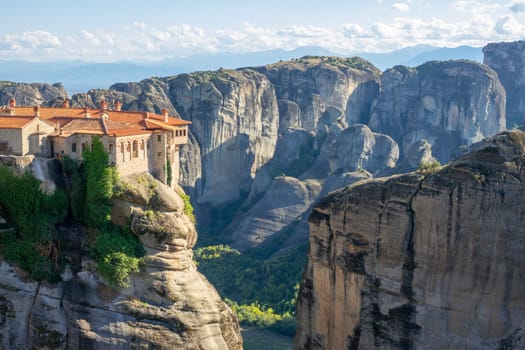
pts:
pixel 105 31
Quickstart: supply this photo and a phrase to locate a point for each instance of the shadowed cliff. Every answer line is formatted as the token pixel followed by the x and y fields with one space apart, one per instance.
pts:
pixel 421 260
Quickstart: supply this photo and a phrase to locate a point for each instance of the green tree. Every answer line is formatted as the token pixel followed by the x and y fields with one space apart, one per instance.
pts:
pixel 100 178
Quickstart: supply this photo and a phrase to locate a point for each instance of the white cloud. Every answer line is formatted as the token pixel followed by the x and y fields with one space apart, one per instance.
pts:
pixel 518 6
pixel 31 40
pixel 401 6
pixel 475 22
pixel 508 25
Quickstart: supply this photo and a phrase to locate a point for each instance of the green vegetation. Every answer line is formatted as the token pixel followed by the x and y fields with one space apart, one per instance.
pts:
pixel 188 208
pixel 99 179
pixel 33 244
pixel 426 168
pixel 262 289
pixel 117 252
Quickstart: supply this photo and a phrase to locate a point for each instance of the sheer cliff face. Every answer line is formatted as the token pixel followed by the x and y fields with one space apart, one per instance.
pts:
pixel 168 305
pixel 421 261
pixel 449 104
pixel 508 61
pixel 235 124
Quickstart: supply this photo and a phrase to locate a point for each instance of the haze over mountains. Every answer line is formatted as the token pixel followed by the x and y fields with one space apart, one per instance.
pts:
pixel 79 76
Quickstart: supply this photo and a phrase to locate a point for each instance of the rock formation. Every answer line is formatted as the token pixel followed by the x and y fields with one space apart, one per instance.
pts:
pixel 307 118
pixel 235 124
pixel 306 87
pixel 419 261
pixel 450 104
pixel 30 94
pixel 168 305
pixel 508 60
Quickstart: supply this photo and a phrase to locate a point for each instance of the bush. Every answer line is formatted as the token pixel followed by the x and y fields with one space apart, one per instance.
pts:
pixel 117 253
pixel 115 267
pixel 188 208
pixel 426 168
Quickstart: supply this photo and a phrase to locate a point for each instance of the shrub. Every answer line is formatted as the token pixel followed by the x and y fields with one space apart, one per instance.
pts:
pixel 117 253
pixel 115 267
pixel 188 208
pixel 426 168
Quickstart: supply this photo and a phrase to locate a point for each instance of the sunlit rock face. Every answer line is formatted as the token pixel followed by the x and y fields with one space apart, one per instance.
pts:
pixel 168 304
pixel 419 261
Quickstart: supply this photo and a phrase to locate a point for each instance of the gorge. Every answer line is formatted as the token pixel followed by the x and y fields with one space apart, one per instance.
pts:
pixel 266 144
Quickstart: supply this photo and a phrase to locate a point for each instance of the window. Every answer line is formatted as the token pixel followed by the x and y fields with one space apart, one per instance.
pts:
pixel 159 154
pixel 83 147
pixel 159 138
pixel 73 147
pixel 135 149
pixel 184 132
pixel 110 148
pixel 122 151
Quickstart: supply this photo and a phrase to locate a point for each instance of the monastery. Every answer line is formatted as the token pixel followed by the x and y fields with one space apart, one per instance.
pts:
pixel 135 141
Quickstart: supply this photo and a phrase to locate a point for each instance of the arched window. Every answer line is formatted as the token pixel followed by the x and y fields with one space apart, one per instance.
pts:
pixel 73 147
pixel 135 149
pixel 128 149
pixel 142 148
pixel 110 148
pixel 83 146
pixel 122 151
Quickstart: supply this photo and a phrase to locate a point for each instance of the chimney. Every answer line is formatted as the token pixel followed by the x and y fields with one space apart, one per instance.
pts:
pixel 86 112
pixel 12 103
pixel 37 111
pixel 165 114
pixel 103 105
pixel 118 106
pixel 58 128
pixel 65 104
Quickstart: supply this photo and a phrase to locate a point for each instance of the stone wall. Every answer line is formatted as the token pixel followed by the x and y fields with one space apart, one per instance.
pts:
pixel 13 138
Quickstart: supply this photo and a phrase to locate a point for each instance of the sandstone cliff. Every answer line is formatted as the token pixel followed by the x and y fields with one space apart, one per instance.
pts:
pixel 418 261
pixel 168 305
pixel 508 60
pixel 450 104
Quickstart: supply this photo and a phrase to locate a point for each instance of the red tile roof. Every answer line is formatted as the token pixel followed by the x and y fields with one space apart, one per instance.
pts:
pixel 92 121
pixel 14 122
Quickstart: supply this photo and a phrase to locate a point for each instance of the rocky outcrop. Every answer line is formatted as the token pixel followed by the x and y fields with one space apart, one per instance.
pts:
pixel 450 104
pixel 357 147
pixel 235 122
pixel 508 60
pixel 421 261
pixel 306 87
pixel 168 304
pixel 30 94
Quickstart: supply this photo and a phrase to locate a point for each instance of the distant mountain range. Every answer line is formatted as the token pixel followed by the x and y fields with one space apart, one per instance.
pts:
pixel 81 76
